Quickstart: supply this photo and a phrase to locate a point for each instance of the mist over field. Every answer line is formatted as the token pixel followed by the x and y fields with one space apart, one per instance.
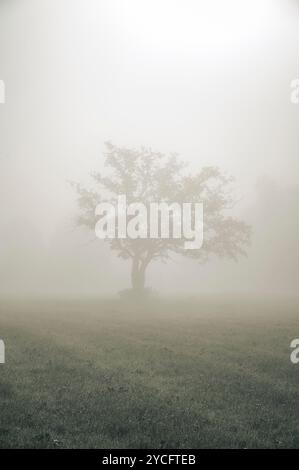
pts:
pixel 112 346
pixel 78 75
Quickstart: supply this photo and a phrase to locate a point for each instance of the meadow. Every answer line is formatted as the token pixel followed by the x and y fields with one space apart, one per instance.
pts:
pixel 182 373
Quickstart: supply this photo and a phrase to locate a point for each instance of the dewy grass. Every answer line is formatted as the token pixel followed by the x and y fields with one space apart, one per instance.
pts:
pixel 173 374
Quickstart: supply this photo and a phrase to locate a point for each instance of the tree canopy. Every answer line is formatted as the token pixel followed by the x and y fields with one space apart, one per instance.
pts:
pixel 146 176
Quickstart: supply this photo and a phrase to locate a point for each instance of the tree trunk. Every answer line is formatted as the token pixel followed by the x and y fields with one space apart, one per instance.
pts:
pixel 138 274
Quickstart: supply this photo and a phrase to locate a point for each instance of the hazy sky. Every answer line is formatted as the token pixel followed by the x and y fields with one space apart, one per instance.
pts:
pixel 207 79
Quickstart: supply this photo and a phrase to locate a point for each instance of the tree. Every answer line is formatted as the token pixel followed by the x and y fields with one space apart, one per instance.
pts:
pixel 143 175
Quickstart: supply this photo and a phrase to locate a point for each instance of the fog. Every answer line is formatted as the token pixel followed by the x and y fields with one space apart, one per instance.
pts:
pixel 207 80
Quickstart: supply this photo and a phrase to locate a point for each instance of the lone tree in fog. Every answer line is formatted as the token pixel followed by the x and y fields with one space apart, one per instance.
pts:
pixel 143 175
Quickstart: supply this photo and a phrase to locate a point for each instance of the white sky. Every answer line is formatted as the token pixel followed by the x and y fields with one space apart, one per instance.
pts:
pixel 207 79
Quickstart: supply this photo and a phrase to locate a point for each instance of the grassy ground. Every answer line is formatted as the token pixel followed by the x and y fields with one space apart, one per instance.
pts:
pixel 189 374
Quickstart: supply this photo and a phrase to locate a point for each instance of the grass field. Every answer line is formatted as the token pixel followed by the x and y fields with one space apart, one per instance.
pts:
pixel 169 374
